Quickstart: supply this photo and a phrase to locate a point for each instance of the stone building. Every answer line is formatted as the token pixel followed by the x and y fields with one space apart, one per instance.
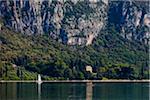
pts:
pixel 89 69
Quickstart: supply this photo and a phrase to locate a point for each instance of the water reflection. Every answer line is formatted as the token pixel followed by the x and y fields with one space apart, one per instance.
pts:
pixel 39 91
pixel 89 90
pixel 74 91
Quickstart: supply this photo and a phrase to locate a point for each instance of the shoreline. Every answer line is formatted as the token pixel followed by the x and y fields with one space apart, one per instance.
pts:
pixel 77 81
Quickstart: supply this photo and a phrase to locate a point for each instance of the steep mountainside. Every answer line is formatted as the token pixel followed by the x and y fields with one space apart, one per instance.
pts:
pixel 110 56
pixel 131 18
pixel 58 39
pixel 77 22
pixel 68 22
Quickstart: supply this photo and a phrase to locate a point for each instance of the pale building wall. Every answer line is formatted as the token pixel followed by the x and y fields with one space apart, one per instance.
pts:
pixel 89 69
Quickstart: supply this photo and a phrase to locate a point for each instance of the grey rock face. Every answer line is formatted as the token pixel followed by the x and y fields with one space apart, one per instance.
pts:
pixel 77 22
pixel 66 21
pixel 131 18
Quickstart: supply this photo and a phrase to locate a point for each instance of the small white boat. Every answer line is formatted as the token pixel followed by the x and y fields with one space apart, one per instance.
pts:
pixel 39 81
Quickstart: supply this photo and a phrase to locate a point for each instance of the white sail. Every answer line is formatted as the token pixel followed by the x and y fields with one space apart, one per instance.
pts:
pixel 39 79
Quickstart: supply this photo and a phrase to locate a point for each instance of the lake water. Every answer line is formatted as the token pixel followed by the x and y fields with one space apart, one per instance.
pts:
pixel 74 91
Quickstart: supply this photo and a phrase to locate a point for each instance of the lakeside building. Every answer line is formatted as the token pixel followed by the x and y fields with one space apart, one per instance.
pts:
pixel 89 69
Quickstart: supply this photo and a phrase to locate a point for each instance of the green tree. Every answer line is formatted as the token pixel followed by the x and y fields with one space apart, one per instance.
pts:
pixel 99 76
pixel 1 69
pixel 88 75
pixel 80 76
pixel 68 73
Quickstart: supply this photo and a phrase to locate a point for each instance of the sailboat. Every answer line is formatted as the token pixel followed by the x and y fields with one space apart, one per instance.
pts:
pixel 39 81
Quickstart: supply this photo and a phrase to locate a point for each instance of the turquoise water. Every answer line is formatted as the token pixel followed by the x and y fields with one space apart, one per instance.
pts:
pixel 74 91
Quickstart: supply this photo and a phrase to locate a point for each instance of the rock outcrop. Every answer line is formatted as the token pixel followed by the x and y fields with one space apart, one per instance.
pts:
pixel 72 22
pixel 131 18
pixel 77 22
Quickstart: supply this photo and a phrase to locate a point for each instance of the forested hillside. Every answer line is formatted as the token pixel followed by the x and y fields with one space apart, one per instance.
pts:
pixel 111 56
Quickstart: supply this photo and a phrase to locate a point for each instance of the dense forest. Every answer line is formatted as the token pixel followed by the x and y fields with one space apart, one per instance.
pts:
pixel 111 56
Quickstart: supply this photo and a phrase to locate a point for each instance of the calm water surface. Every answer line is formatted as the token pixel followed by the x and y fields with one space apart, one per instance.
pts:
pixel 74 91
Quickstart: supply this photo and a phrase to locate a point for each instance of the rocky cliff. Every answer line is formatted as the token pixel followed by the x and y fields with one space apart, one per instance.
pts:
pixel 131 18
pixel 66 21
pixel 77 21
